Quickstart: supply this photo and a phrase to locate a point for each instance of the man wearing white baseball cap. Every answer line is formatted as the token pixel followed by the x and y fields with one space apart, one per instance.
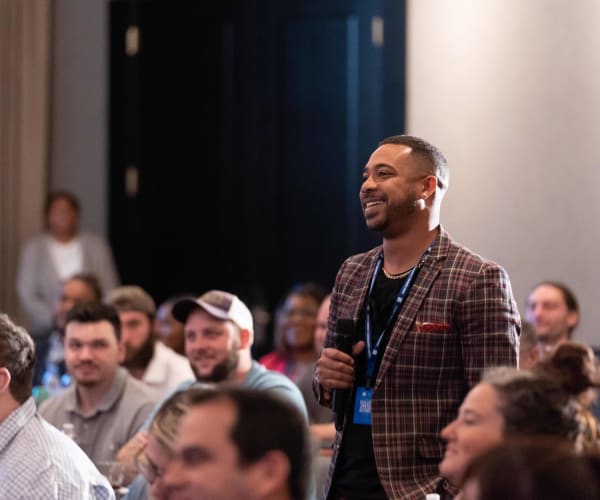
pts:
pixel 218 330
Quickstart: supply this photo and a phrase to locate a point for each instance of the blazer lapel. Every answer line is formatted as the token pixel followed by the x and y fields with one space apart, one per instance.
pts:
pixel 418 292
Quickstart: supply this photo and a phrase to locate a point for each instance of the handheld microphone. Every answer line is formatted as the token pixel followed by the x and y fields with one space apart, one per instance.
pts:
pixel 342 341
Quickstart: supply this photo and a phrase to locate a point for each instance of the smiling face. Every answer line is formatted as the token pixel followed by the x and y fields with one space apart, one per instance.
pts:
pixel 212 345
pixel 547 311
pixel 478 427
pixel 392 182
pixel 91 352
pixel 298 321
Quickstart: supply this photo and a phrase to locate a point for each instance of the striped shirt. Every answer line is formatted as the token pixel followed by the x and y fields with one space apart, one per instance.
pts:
pixel 39 462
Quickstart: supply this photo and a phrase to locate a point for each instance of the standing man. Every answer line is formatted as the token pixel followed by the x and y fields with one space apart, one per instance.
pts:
pixel 146 359
pixel 553 311
pixel 105 404
pixel 36 460
pixel 429 316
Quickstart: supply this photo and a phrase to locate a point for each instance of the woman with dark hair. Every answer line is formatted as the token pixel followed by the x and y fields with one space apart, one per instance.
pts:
pixel 573 365
pixel 294 338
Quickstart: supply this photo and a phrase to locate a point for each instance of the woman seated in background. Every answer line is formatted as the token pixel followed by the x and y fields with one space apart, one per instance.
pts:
pixel 158 450
pixel 294 338
pixel 507 403
pixel 573 365
pixel 542 470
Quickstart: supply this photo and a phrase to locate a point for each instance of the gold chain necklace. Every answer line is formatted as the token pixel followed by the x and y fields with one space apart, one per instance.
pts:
pixel 398 276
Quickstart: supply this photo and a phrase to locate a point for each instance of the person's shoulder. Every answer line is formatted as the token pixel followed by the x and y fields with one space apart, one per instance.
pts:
pixel 360 258
pixel 263 379
pixel 56 404
pixel 138 392
pixel 462 258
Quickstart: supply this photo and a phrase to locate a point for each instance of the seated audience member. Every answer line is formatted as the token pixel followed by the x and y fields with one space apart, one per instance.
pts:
pixel 168 330
pixel 236 443
pixel 294 337
pixel 81 288
pixel 553 311
pixel 36 460
pixel 529 350
pixel 146 359
pixel 320 417
pixel 52 256
pixel 573 365
pixel 105 404
pixel 152 460
pixel 507 403
pixel 531 471
pixel 218 339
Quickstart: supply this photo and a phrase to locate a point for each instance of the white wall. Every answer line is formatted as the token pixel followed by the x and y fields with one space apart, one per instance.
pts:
pixel 510 91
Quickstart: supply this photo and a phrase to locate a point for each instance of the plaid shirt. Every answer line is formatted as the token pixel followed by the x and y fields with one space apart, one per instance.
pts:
pixel 39 462
pixel 459 318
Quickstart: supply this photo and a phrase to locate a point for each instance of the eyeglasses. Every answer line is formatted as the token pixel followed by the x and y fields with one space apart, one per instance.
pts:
pixel 146 467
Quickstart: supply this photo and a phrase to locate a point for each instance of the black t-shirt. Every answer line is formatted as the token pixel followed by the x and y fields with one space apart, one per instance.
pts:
pixel 356 473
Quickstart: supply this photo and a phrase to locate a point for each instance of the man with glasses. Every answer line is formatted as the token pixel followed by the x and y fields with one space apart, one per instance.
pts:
pixel 105 404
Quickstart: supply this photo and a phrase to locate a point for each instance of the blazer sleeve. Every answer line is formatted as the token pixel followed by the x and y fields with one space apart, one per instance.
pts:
pixel 490 323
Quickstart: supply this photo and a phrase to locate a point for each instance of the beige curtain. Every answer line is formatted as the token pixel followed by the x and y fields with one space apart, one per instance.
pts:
pixel 24 111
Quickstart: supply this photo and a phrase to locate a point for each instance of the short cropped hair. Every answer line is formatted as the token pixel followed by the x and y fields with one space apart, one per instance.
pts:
pixel 95 312
pixel 532 405
pixel 17 355
pixel 431 158
pixel 266 422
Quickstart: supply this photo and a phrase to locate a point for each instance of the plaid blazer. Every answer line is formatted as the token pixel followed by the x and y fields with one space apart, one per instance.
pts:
pixel 459 318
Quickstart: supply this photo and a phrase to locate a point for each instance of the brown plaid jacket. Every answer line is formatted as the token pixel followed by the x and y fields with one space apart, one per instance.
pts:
pixel 459 318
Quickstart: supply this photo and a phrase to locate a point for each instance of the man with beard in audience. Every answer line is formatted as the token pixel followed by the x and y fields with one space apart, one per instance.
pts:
pixel 146 359
pixel 218 339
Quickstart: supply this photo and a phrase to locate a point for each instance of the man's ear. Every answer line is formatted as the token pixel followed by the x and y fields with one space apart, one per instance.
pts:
pixel 269 475
pixel 4 379
pixel 245 338
pixel 572 319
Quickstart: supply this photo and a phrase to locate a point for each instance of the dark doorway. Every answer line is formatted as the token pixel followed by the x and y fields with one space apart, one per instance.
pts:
pixel 240 129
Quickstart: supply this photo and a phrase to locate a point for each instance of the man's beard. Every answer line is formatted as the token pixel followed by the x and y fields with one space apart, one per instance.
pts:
pixel 140 358
pixel 222 370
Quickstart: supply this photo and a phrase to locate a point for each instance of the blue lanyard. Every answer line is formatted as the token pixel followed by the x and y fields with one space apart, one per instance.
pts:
pixel 400 298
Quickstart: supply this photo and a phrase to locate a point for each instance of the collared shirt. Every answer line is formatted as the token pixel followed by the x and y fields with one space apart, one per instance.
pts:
pixel 166 370
pixel 117 418
pixel 39 462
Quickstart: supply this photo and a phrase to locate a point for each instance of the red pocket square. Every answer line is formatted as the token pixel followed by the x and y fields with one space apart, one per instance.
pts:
pixel 426 326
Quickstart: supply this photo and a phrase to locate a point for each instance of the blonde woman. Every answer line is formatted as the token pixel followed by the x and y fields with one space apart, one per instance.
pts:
pixel 157 451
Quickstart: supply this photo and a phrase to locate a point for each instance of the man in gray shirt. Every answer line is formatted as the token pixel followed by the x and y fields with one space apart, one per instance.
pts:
pixel 105 405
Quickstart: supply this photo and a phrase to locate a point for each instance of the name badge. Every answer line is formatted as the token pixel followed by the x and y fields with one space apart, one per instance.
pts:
pixel 362 406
